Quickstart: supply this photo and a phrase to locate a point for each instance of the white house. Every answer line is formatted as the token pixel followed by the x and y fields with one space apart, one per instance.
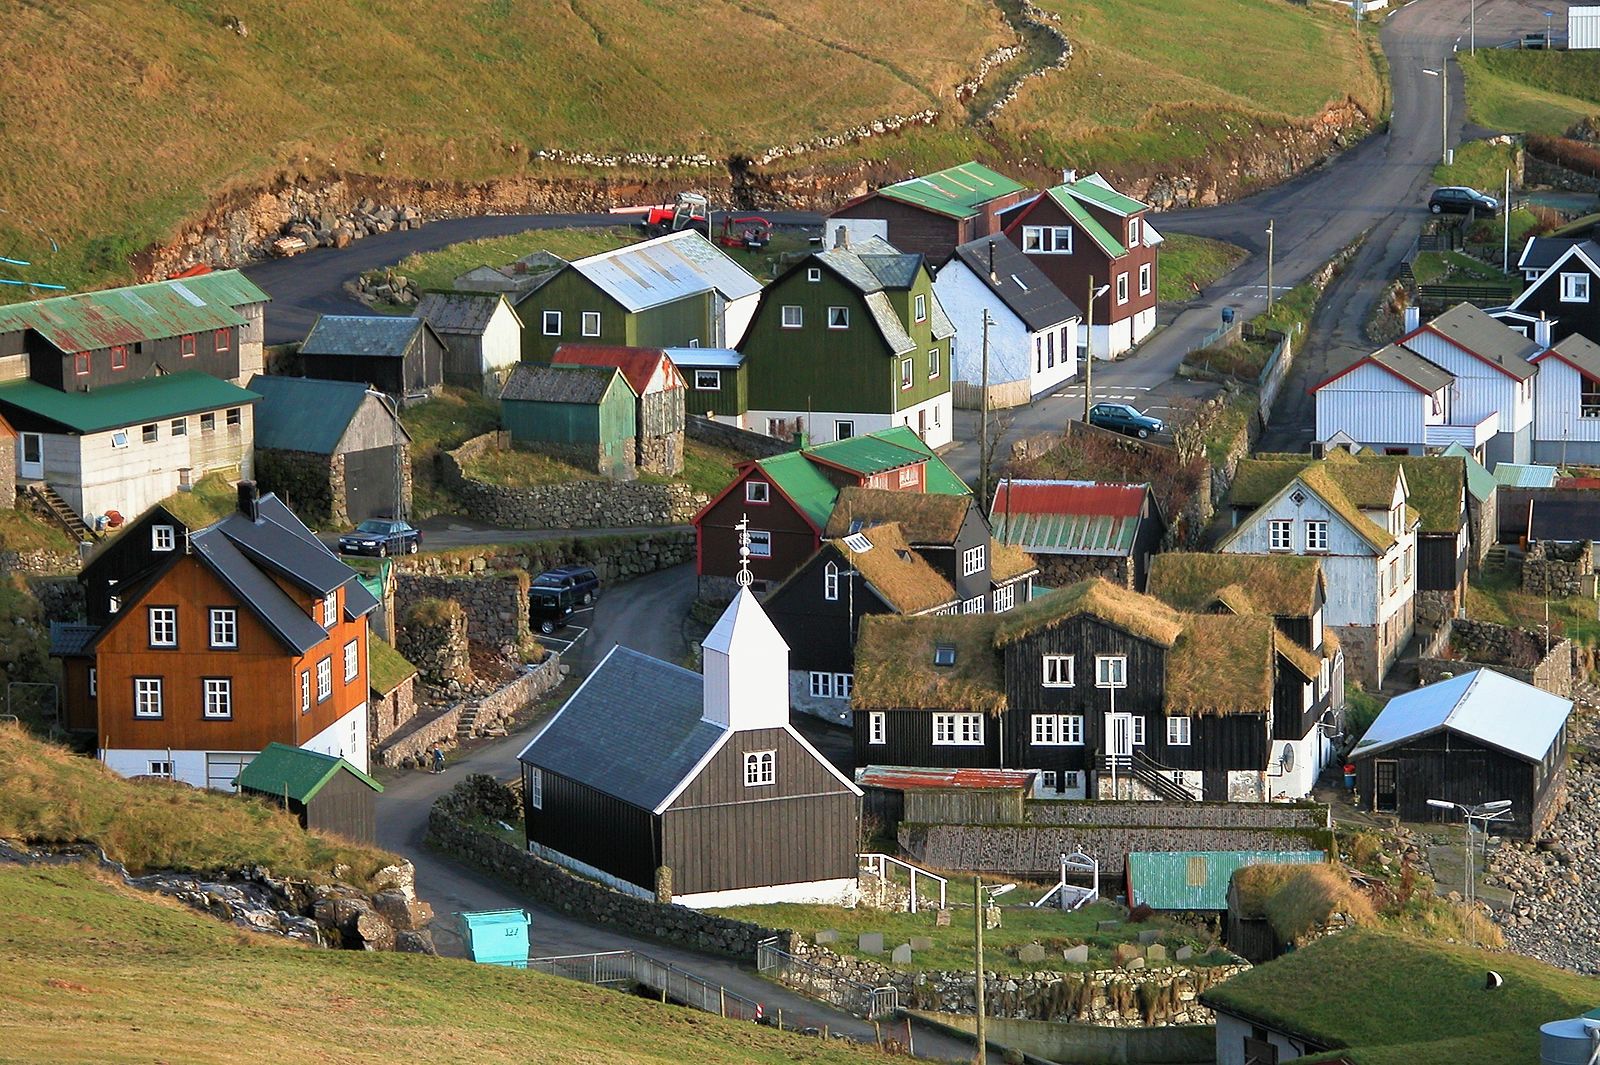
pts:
pixel 1396 402
pixel 1355 519
pixel 1032 328
pixel 1566 425
pixel 482 336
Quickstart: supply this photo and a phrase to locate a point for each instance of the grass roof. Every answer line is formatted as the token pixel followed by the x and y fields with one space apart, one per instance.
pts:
pixel 1284 585
pixel 924 518
pixel 1298 899
pixel 387 668
pixel 1386 997
pixel 1331 492
pixel 1309 665
pixel 1259 479
pixel 895 668
pixel 900 576
pixel 1008 561
pixel 1221 664
pixel 1141 615
pixel 1436 485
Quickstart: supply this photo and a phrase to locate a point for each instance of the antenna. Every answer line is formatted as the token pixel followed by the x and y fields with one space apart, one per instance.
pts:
pixel 743 578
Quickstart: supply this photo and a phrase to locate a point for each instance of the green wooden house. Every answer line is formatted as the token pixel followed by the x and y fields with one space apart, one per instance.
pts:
pixel 715 383
pixel 847 342
pixel 579 414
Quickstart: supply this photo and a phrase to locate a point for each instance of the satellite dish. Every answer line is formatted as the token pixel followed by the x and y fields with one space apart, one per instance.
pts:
pixel 1493 981
pixel 1288 758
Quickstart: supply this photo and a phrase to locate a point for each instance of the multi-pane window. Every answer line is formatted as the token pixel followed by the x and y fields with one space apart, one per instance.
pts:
pixel 877 727
pixel 305 691
pixel 1138 730
pixel 707 380
pixel 821 685
pixel 1280 534
pixel 1057 671
pixel 933 363
pixel 163 626
pixel 1178 731
pixel 1122 288
pixel 219 697
pixel 1047 240
pixel 1316 536
pixel 974 605
pixel 591 323
pixel 908 476
pixel 1111 671
pixel 1005 598
pixel 324 679
pixel 94 682
pixel 536 787
pixel 843 684
pixel 838 317
pixel 1058 730
pixel 793 316
pixel 1574 288
pixel 352 661
pixel 163 538
pixel 921 303
pixel 1144 280
pixel 830 582
pixel 208 422
pixel 972 561
pixel 330 610
pixel 235 416
pixel 149 434
pixel 757 492
pixel 224 627
pixel 552 323
pixel 760 767
pixel 958 730
pixel 146 696
pixel 760 543
pixel 186 345
pixel 180 427
pixel 161 769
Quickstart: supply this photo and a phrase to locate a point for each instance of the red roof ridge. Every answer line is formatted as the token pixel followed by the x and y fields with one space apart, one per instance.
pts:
pixel 638 365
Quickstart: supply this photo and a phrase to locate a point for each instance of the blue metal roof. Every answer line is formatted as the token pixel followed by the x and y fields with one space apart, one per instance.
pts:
pixel 641 276
pixel 304 413
pixel 1519 475
pixel 1484 705
pixel 1197 880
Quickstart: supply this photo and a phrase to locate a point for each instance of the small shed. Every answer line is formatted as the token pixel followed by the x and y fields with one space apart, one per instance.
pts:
pixel 928 795
pixel 401 356
pixel 1080 529
pixel 482 336
pixel 393 681
pixel 326 793
pixel 1197 880
pixel 580 414
pixel 334 449
pixel 659 408
pixel 714 383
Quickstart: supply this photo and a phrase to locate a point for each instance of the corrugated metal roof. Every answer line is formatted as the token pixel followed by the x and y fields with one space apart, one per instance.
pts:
pixel 906 778
pixel 115 406
pixel 1577 351
pixel 1487 706
pixel 86 321
pixel 867 454
pixel 955 192
pixel 638 365
pixel 225 286
pixel 1098 191
pixel 305 413
pixel 377 335
pixel 1480 482
pixel 296 772
pixel 1068 517
pixel 1080 214
pixel 559 384
pixel 645 275
pixel 1487 337
pixel 1520 475
pixel 1197 880
pixel 464 313
pixel 706 358
pixel 803 483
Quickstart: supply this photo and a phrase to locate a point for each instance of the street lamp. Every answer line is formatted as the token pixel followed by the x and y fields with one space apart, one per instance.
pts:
pixel 1270 224
pixel 1498 810
pixel 1088 348
pixel 1472 28
pixel 1443 74
pixel 1548 15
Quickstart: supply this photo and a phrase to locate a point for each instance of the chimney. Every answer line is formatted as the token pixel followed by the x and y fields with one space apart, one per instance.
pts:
pixel 1413 318
pixel 841 238
pixel 249 500
pixel 1068 176
pixel 1541 331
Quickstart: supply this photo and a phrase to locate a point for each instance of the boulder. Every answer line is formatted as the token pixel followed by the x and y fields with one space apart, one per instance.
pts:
pixel 373 932
pixel 415 941
pixel 401 912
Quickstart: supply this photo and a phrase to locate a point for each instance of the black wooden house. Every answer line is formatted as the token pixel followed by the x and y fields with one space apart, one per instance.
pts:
pixel 400 356
pixel 1566 295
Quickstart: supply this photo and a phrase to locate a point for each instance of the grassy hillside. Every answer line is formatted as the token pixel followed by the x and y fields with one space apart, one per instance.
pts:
pixel 98 973
pixel 1531 91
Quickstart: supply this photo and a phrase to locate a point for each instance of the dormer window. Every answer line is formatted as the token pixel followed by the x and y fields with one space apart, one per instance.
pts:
pixel 944 654
pixel 756 492
pixel 163 538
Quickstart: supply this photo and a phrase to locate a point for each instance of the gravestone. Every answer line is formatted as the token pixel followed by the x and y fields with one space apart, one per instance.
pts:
pixel 1133 963
pixel 1155 952
pixel 826 938
pixel 1148 936
pixel 1031 953
pixel 921 942
pixel 870 942
pixel 991 917
pixel 1107 926
pixel 1078 955
pixel 941 919
pixel 1183 953
pixel 901 955
pixel 1126 952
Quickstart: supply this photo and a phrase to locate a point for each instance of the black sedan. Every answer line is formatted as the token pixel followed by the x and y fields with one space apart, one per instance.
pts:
pixel 1121 418
pixel 381 537
pixel 1458 199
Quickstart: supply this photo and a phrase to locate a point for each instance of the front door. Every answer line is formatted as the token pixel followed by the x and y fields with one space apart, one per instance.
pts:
pixel 1386 786
pixel 30 463
pixel 1119 735
pixel 922 423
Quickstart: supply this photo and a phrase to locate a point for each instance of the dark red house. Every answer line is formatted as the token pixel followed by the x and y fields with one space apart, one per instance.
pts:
pixel 934 214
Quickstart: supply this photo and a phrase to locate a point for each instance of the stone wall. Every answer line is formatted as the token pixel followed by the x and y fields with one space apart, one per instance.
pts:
pixel 1360 645
pixel 8 473
pixel 445 727
pixel 314 484
pixel 1035 850
pixel 387 715
pixel 661 454
pixel 1540 172
pixel 1198 815
pixel 419 735
pixel 755 445
pixel 60 598
pixel 1518 653
pixel 450 830
pixel 433 637
pixel 1556 570
pixel 614 558
pixel 496 606
pixel 1435 610
pixel 1058 571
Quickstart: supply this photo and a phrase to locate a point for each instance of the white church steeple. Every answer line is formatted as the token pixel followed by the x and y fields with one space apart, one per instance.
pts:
pixel 746 662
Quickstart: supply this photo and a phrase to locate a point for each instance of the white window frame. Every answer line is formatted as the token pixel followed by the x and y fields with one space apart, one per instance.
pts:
pixel 975 605
pixel 844 429
pixel 1280 534
pixel 1107 665
pixel 352 661
pixel 1317 536
pixel 1575 288
pixel 119 439
pixel 1133 233
pixel 178 427
pixel 1122 288
pixel 147 702
pixel 757 492
pixel 325 679
pixel 1144 279
pixel 821 685
pixel 1058 730
pixel 702 377
pixel 972 560
pixel 760 769
pixel 330 610
pixel 830 582
pixel 1057 671
pixel 760 543
pixel 94 682
pixel 907 476
pixel 908 374
pixel 877 727
pixel 920 303
pixel 1180 730
pixel 1138 730
pixel 305 691
pixel 163 538
pixel 223 624
pixel 218 705
pixel 797 320
pixel 161 769
pixel 1047 240
pixel 838 317
pixel 551 322
pixel 844 684
pixel 1005 597
pixel 933 363
pixel 536 787
pixel 814 273
pixel 583 323
pixel 958 730
pixel 163 626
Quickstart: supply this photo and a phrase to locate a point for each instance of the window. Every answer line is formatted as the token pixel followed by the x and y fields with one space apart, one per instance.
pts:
pixel 972 561
pixel 1047 240
pixel 219 697
pixel 324 679
pixel 944 654
pixel 843 684
pixel 760 767
pixel 219 340
pixel 1316 536
pixel 149 434
pixel 1050 350
pixel 1111 671
pixel 838 317
pixel 330 610
pixel 821 685
pixel 163 538
pixel 552 323
pixel 179 427
pixel 1280 534
pixel 1589 398
pixel 1057 671
pixel 94 682
pixel 1138 730
pixel 163 626
pixel 907 476
pixel 1144 279
pixel 921 305
pixel 974 605
pixel 235 415
pixel 906 371
pixel 536 787
pixel 146 696
pixel 1574 288
pixel 1408 564
pixel 119 439
pixel 80 364
pixel 1133 232
pixel 591 323
pixel 352 661
pixel 958 730
pixel 224 628
pixel 1394 575
pixel 830 582
pixel 1122 288
pixel 1178 731
pixel 877 727
pixel 844 430
pixel 757 492
pixel 305 691
pixel 814 274
pixel 163 770
pixel 208 422
pixel 707 380
pixel 760 544
pixel 1058 730
pixel 933 363
pixel 793 317
pixel 119 357
pixel 186 345
pixel 1005 598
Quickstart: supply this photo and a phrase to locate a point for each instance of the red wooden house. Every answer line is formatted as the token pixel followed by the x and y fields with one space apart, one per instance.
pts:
pixel 931 215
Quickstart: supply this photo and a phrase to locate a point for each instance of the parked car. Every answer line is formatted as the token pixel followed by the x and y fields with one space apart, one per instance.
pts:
pixel 549 608
pixel 1121 418
pixel 381 537
pixel 1458 199
pixel 581 581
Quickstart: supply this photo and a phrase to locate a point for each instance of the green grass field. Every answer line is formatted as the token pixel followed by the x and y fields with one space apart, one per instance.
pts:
pixel 1479 165
pixel 1189 264
pixel 1531 91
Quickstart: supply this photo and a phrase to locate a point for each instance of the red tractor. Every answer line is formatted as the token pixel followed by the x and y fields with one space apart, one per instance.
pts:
pixel 690 212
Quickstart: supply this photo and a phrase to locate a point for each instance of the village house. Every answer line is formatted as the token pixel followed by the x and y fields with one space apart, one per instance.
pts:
pixel 336 450
pixel 1540 254
pixel 1083 230
pixel 787 499
pixel 482 336
pixel 996 295
pixel 1566 426
pixel 1564 297
pixel 582 415
pixel 1078 529
pixel 693 788
pixel 403 357
pixel 1396 402
pixel 217 643
pixel 930 215
pixel 715 382
pixel 324 793
pixel 659 398
pixel 849 341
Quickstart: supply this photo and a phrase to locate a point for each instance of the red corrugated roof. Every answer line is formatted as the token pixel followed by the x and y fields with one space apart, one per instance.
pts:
pixel 1578 482
pixel 1089 498
pixel 900 778
pixel 638 365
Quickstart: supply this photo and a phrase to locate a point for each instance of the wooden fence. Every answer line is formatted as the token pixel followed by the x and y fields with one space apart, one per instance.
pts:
pixel 967 396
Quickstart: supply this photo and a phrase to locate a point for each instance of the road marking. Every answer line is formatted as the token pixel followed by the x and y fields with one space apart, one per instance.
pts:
pixel 566 643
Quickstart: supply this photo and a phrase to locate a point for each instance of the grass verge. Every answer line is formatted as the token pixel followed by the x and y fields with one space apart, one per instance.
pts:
pixel 1481 165
pixel 22 530
pixel 1189 264
pixel 211 499
pixel 1528 91
pixel 443 423
pixel 1495 596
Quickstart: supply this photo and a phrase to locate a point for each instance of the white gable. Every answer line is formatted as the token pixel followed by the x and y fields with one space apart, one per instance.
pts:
pixel 746 669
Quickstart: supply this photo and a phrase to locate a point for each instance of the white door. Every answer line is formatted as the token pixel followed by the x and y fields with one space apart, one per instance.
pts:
pixel 1119 735
pixel 30 458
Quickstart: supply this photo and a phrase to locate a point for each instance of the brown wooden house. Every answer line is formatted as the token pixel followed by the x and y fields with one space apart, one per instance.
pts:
pixel 660 392
pixel 931 215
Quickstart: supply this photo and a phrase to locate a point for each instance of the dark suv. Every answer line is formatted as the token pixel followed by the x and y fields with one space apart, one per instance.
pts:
pixel 549 609
pixel 581 581
pixel 1458 199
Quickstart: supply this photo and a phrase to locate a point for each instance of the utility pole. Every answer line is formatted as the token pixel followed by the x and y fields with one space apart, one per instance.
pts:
pixel 1472 28
pixel 980 1055
pixel 1271 225
pixel 1088 355
pixel 1505 211
pixel 984 458
pixel 1444 111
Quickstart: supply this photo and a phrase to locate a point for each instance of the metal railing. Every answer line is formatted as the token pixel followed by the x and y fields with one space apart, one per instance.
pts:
pixel 877 865
pixel 813 980
pixel 629 968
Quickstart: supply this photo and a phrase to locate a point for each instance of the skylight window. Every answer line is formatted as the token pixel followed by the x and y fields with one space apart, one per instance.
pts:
pixel 944 654
pixel 858 543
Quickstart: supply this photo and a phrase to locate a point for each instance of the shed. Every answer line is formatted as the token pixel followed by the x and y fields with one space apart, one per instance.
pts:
pixel 1078 529
pixel 335 449
pixel 929 795
pixel 715 383
pixel 482 336
pixel 1480 737
pixel 659 403
pixel 580 414
pixel 401 356
pixel 1197 880
pixel 326 793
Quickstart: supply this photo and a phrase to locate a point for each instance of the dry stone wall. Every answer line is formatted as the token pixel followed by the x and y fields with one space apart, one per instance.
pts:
pixel 433 637
pixel 1035 850
pixel 495 606
pixel 718 434
pixel 1518 653
pixel 1556 569
pixel 1058 571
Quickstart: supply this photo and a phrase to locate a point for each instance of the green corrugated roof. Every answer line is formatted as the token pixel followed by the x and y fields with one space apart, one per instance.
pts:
pixel 941 479
pixel 296 772
pixel 886 449
pixel 151 399
pixel 304 413
pixel 387 668
pixel 802 482
pixel 86 321
pixel 1080 214
pixel 1075 534
pixel 226 286
pixel 1095 189
pixel 1480 482
pixel 956 191
pixel 1197 880
pixel 867 455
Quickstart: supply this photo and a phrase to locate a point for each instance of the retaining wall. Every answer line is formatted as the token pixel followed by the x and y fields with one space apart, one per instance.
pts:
pixel 1035 850
pixel 703 430
pixel 614 558
pixel 496 605
pixel 416 736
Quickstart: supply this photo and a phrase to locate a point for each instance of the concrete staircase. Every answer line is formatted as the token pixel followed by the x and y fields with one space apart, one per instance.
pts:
pixel 468 721
pixel 59 512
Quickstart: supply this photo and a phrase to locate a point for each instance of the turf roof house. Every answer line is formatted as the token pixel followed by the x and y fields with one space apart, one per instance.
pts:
pixel 403 357
pixel 1565 297
pixel 787 500
pixel 679 290
pixel 1032 327
pixel 658 389
pixel 1566 402
pixel 1083 229
pixel 887 552
pixel 850 341
pixel 1474 738
pixel 217 643
pixel 336 450
pixel 930 215
pixel 583 415
pixel 1357 519
pixel 1078 529
pixel 482 336
pixel 665 782
pixel 1075 682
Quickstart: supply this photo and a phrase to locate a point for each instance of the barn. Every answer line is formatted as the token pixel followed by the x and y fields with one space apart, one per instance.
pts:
pixel 335 450
pixel 482 336
pixel 401 356
pixel 327 794
pixel 579 414
pixel 666 783
pixel 658 409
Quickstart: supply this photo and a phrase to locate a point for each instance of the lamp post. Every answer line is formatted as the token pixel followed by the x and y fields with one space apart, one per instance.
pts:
pixel 1472 28
pixel 1548 15
pixel 1271 223
pixel 1443 74
pixel 1088 348
pixel 1498 810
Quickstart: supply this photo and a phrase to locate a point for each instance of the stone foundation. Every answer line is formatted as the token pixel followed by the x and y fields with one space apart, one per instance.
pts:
pixel 1058 571
pixel 386 715
pixel 661 454
pixel 314 485
pixel 1557 570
